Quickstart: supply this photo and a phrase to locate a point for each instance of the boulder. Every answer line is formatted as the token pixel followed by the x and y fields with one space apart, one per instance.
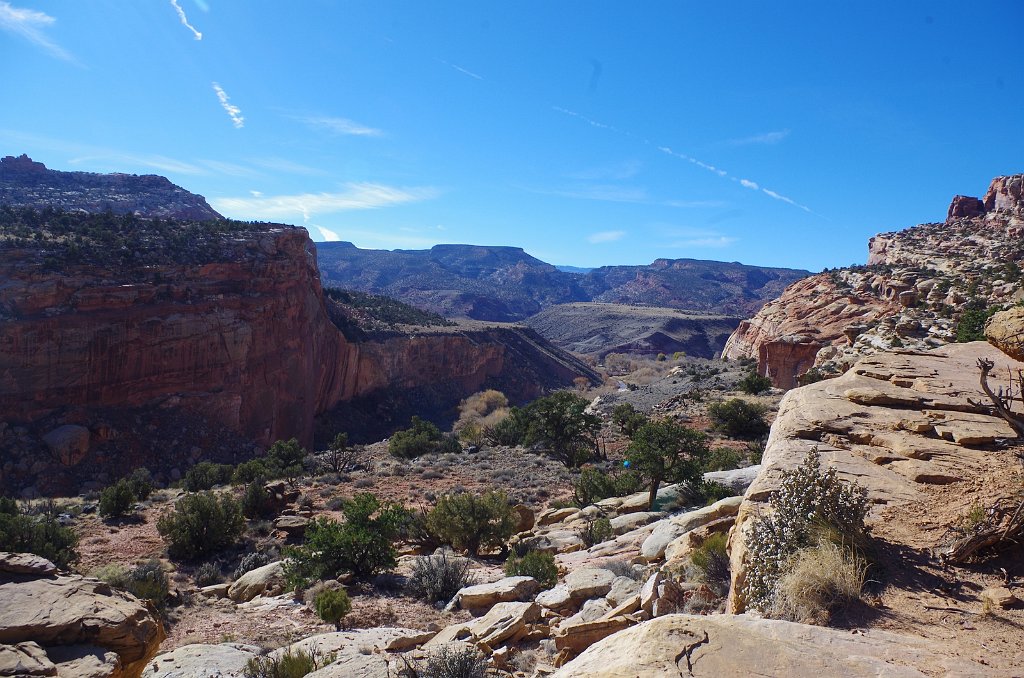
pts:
pixel 268 579
pixel 68 443
pixel 649 591
pixel 114 628
pixel 630 521
pixel 672 528
pixel 555 515
pixel 383 639
pixel 502 622
pixel 738 645
pixel 505 590
pixel 589 582
pixel 294 526
pixel 737 480
pixel 1000 596
pixel 226 660
pixel 622 588
pixel 26 563
pixel 525 519
pixel 592 610
pixel 25 659
pixel 556 598
pixel 578 637
pixel 1005 331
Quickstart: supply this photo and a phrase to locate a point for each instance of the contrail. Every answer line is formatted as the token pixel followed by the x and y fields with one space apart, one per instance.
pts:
pixel 234 112
pixel 184 20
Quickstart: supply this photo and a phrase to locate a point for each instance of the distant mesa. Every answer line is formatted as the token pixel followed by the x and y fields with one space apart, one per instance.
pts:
pixel 25 182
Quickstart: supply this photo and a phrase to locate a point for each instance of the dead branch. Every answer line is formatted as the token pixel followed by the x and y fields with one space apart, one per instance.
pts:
pixel 1002 401
pixel 992 531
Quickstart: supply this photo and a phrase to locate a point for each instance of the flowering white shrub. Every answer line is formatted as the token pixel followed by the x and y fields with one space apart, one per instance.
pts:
pixel 807 498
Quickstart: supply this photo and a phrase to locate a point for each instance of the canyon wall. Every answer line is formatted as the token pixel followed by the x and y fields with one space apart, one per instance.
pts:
pixel 915 287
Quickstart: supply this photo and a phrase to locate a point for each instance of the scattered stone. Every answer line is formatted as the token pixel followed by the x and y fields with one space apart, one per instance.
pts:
pixel 578 637
pixel 265 580
pixel 1000 596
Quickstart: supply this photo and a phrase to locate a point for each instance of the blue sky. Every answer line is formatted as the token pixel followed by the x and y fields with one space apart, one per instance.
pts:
pixel 588 133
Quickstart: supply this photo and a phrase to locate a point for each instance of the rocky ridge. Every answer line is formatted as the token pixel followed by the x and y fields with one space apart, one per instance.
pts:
pixel 28 183
pixel 915 286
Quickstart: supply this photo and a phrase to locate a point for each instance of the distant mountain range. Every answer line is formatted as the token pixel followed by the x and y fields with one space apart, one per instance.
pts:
pixel 507 284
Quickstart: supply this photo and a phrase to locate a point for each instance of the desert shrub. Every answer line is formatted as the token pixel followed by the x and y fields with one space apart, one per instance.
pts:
pixel 710 492
pixel 206 475
pixel 808 502
pixel 116 500
pixel 141 483
pixel 595 531
pixel 340 456
pixel 362 545
pixel 452 661
pixel 753 383
pixel 971 326
pixel 422 437
pixel 665 451
pixel 478 412
pixel 811 376
pixel 738 419
pixel 817 581
pixel 471 522
pixel 148 581
pixel 115 575
pixel 559 422
pixel 332 605
pixel 709 563
pixel 290 664
pixel 593 485
pixel 250 561
pixel 541 566
pixel 207 574
pixel 722 459
pixel 510 430
pixel 256 500
pixel 628 418
pixel 439 577
pixel 623 568
pixel 201 525
pixel 449 444
pixel 250 471
pixel 40 534
pixel 285 458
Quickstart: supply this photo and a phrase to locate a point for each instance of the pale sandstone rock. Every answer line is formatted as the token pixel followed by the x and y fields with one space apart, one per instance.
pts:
pixel 737 480
pixel 505 590
pixel 1000 596
pixel 226 660
pixel 679 549
pixel 384 639
pixel 70 610
pixel 26 563
pixel 738 645
pixel 553 515
pixel 649 591
pixel 1005 331
pixel 592 610
pixel 268 579
pixel 631 521
pixel 25 659
pixel 589 583
pixel 622 588
pixel 502 622
pixel 669 529
pixel 577 637
pixel 555 598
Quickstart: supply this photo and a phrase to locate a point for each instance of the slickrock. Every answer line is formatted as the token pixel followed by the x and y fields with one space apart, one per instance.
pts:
pixel 226 660
pixel 727 645
pixel 509 589
pixel 916 284
pixel 920 426
pixel 268 579
pixel 78 622
pixel 383 639
pixel 668 530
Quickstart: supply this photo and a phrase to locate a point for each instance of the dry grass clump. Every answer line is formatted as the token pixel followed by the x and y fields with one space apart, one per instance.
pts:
pixel 818 581
pixel 479 412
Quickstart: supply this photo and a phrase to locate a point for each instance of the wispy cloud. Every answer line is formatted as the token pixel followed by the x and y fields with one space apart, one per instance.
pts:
pixel 589 121
pixel 285 165
pixel 184 20
pixel 356 196
pixel 617 193
pixel 605 236
pixel 336 125
pixel 460 69
pixel 707 242
pixel 690 237
pixel 746 183
pixel 29 24
pixel 234 112
pixel 615 171
pixel 328 235
pixel 766 139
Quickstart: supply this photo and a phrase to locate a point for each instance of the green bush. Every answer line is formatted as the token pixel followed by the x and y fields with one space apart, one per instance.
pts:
pixel 510 431
pixel 332 605
pixel 208 574
pixel 206 475
pixel 753 383
pixel 362 545
pixel 439 577
pixel 141 483
pixel 593 485
pixel 40 534
pixel 148 581
pixel 559 422
pixel 250 561
pixel 738 419
pixel 709 563
pixel 285 458
pixel 256 500
pixel 116 500
pixel 971 326
pixel 250 471
pixel 422 437
pixel 540 566
pixel 289 664
pixel 710 492
pixel 628 418
pixel 722 459
pixel 665 451
pixel 809 502
pixel 201 525
pixel 595 531
pixel 471 522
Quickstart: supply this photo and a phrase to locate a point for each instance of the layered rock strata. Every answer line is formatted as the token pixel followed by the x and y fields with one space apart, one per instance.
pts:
pixel 915 287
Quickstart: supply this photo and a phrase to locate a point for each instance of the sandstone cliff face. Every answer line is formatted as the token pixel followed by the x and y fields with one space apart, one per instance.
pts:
pixel 29 183
pixel 910 294
pixel 242 345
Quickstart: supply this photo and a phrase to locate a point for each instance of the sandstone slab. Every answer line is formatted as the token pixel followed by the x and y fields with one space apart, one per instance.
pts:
pixel 505 590
pixel 670 529
pixel 1005 331
pixel 268 579
pixel 226 660
pixel 589 582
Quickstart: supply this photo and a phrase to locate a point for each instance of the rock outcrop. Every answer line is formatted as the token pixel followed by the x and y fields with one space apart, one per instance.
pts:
pixel 726 645
pixel 29 183
pixel 1005 331
pixel 68 625
pixel 894 423
pixel 910 295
